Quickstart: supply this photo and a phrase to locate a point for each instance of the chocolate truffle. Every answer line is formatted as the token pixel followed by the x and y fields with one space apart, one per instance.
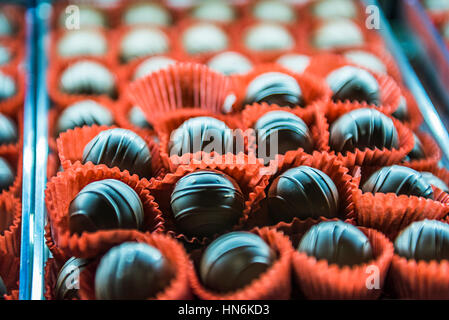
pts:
pixel 332 9
pixel 361 129
pixel 6 27
pixel 132 271
pixel 151 65
pixel 353 84
pixel 138 119
pixel 294 62
pixel 204 38
pixel 141 42
pixel 230 63
pixel 401 112
pixel 268 37
pixel 84 42
pixel 7 86
pixel 338 34
pixel 120 148
pixel 5 55
pixel 84 113
pixel 67 283
pixel 398 180
pixel 366 60
pixel 234 260
pixel 275 88
pixel 105 205
pixel 274 11
pixel 6 175
pixel 147 14
pixel 201 134
pixel 287 131
pixel 337 242
pixel 3 289
pixel 417 152
pixel 436 5
pixel 205 203
pixel 302 192
pixel 89 17
pixel 426 240
pixel 214 11
pixel 8 130
pixel 88 78
pixel 435 181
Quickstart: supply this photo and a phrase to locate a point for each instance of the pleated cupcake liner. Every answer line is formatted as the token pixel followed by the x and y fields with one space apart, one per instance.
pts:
pixel 51 271
pixel 59 97
pixel 248 176
pixel 56 252
pixel 121 114
pixel 313 89
pixel 319 280
pixel 14 295
pixel 391 213
pixel 13 155
pixel 53 164
pixel 411 279
pixel 63 188
pixel 11 106
pixel 415 118
pixel 71 145
pixel 9 271
pixel 323 161
pixel 10 225
pixel 431 150
pixel 180 86
pixel 179 287
pixel 322 65
pixel 274 284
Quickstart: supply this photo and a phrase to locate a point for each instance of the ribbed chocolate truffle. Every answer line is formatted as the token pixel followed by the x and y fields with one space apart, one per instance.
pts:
pixel 8 130
pixel 361 129
pixel 275 88
pixel 424 240
pixel 137 118
pixel 151 14
pixel 435 181
pixel 398 180
pixel 206 202
pixel 88 78
pixel 230 63
pixel 132 271
pixel 302 192
pixel 284 129
pixel 84 42
pixel 274 11
pixel 67 283
pixel 353 84
pixel 204 38
pixel 141 42
pixel 214 11
pixel 401 112
pixel 367 60
pixel 7 175
pixel 84 113
pixel 332 9
pixel 267 37
pixel 201 134
pixel 294 62
pixel 234 260
pixel 338 34
pixel 120 148
pixel 152 64
pixel 417 152
pixel 105 205
pixel 337 242
pixel 7 86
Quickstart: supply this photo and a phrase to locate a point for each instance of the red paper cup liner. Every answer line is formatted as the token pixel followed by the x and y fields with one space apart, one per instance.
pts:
pixel 56 252
pixel 318 280
pixel 59 97
pixel 184 85
pixel 248 176
pixel 391 213
pixel 71 145
pixel 415 118
pixel 327 163
pixel 179 287
pixel 431 150
pixel 274 284
pixel 51 271
pixel 17 53
pixel 313 89
pixel 390 93
pixel 63 188
pixel 422 280
pixel 13 155
pixel 53 164
pixel 122 110
pixel 14 295
pixel 9 271
pixel 10 224
pixel 172 121
pixel 16 16
pixel 11 106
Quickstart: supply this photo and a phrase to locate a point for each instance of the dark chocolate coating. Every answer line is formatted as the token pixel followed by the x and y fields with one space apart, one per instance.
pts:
pixel 120 148
pixel 401 112
pixel 105 205
pixel 234 260
pixel 206 202
pixel 8 130
pixel 354 84
pixel 417 152
pixel 275 88
pixel 3 289
pixel 201 134
pixel 424 240
pixel 399 180
pixel 302 192
pixel 435 181
pixel 361 129
pixel 337 242
pixel 6 175
pixel 67 283
pixel 132 271
pixel 292 134
pixel 137 118
pixel 84 113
